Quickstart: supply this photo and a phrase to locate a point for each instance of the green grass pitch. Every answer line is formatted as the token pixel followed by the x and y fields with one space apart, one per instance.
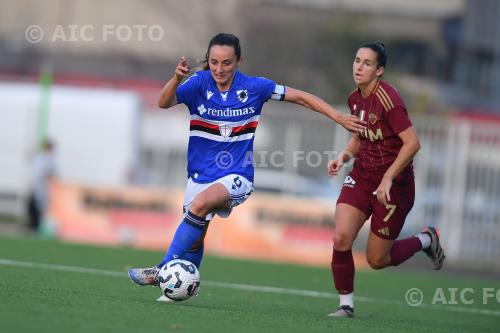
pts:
pixel 48 286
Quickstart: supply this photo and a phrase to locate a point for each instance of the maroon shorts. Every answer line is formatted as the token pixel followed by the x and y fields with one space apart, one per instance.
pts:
pixel 386 222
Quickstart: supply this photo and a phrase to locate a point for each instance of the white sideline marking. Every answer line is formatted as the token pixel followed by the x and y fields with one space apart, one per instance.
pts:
pixel 246 287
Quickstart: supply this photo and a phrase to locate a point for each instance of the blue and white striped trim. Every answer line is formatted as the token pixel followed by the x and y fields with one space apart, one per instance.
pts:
pixel 195 221
pixel 239 196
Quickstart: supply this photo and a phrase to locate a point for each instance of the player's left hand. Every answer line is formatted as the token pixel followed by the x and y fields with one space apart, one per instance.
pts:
pixel 352 123
pixel 383 191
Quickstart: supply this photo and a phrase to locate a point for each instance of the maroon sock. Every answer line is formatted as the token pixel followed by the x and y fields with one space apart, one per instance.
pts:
pixel 343 271
pixel 404 249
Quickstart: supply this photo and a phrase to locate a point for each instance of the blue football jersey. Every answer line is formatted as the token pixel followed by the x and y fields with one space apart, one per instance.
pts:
pixel 223 124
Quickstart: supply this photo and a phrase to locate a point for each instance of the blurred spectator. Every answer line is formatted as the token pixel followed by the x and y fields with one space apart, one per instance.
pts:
pixel 42 170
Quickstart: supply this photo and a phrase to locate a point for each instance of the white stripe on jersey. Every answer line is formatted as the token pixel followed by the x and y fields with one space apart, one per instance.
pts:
pixel 219 138
pixel 225 122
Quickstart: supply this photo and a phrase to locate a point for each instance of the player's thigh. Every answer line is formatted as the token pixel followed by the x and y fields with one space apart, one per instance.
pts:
pixel 348 222
pixel 387 221
pixel 239 188
pixel 353 209
pixel 212 198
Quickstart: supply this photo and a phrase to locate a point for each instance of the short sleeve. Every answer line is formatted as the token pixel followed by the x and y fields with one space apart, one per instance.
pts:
pixel 398 119
pixel 188 89
pixel 268 89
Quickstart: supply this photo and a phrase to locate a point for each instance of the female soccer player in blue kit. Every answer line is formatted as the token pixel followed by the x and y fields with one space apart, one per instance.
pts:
pixel 225 107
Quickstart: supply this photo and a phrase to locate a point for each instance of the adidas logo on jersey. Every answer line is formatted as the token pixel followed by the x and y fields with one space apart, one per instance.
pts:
pixel 201 109
pixel 349 182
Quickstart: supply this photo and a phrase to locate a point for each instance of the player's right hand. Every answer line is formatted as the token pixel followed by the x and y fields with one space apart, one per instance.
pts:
pixel 334 167
pixel 352 123
pixel 182 69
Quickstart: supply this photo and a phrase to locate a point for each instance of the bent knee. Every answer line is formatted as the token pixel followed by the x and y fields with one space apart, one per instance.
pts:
pixel 342 241
pixel 377 262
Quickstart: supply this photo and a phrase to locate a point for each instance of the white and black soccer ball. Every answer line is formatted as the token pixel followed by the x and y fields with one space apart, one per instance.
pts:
pixel 179 279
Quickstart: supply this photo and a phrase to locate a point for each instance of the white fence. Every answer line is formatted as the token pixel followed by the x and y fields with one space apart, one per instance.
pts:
pixel 458 179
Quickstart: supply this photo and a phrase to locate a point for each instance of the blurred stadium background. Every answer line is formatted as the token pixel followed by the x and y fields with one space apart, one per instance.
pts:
pixel 121 161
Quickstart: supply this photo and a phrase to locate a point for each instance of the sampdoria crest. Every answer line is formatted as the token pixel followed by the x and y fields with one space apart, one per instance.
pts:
pixel 225 130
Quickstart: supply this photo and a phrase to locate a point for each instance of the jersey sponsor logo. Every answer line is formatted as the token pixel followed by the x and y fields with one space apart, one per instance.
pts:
pixel 209 94
pixel 224 96
pixel 227 112
pixel 225 130
pixel 373 136
pixel 201 109
pixel 349 182
pixel 242 95
pixel 372 118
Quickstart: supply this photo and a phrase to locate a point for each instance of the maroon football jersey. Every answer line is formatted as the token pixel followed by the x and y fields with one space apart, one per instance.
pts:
pixel 385 114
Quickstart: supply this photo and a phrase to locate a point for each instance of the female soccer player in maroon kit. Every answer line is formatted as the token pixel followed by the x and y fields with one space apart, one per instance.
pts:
pixel 381 184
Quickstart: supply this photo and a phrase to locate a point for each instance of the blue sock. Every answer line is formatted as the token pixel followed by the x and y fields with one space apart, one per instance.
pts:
pixel 195 256
pixel 189 231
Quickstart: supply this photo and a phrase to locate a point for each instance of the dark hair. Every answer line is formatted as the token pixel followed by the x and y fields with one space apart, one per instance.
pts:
pixel 223 39
pixel 379 49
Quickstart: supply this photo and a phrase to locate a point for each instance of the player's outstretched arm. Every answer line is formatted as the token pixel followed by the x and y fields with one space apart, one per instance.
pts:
pixel 167 96
pixel 310 101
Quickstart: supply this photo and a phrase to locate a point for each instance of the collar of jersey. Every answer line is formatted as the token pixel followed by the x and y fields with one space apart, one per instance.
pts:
pixel 371 93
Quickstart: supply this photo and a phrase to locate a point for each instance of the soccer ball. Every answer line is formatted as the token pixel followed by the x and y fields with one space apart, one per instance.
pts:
pixel 179 279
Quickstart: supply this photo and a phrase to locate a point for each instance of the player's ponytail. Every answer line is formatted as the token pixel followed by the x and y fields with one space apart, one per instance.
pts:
pixel 222 39
pixel 379 49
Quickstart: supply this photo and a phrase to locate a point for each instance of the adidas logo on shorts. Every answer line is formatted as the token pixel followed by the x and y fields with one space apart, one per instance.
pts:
pixel 384 231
